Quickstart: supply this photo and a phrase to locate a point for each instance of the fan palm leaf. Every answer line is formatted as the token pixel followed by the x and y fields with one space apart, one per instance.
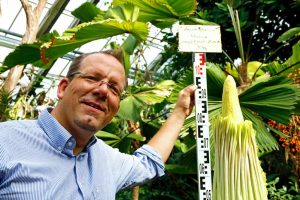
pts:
pixel 274 98
pixel 138 98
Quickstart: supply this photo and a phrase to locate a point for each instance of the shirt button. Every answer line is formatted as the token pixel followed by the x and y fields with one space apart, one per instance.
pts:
pixel 80 158
pixel 59 148
pixel 70 144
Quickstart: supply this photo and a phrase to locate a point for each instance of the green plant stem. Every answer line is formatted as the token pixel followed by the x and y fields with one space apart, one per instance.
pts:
pixel 237 30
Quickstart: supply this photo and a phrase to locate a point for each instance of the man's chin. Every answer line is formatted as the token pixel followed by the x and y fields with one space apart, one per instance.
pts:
pixel 87 125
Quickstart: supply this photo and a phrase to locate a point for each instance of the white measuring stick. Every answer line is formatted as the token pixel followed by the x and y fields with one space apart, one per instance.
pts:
pixel 202 128
pixel 201 38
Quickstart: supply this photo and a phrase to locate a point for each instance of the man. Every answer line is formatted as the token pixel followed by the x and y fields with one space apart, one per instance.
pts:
pixel 57 156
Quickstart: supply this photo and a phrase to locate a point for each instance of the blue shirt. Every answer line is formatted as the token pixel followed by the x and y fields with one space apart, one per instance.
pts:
pixel 37 162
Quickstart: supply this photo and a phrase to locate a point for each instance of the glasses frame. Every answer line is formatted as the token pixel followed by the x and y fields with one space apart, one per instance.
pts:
pixel 119 93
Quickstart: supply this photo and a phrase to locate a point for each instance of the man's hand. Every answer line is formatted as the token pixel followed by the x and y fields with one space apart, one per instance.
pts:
pixel 166 137
pixel 186 101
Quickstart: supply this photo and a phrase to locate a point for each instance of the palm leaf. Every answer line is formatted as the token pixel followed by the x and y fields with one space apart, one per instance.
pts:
pixel 183 8
pixel 215 79
pixel 265 140
pixel 87 12
pixel 273 67
pixel 130 108
pixel 294 60
pixel 185 80
pixel 273 99
pixel 23 54
pixel 122 143
pixel 138 98
pixel 74 38
pixel 94 31
pixel 126 12
pixel 161 13
pixel 289 34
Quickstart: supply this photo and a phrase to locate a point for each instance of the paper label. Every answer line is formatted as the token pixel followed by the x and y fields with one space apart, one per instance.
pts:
pixel 199 38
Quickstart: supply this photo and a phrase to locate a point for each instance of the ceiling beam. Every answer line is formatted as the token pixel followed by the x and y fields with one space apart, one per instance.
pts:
pixel 51 17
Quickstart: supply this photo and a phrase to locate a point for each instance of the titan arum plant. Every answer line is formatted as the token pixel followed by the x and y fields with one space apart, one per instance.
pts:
pixel 237 171
pixel 265 93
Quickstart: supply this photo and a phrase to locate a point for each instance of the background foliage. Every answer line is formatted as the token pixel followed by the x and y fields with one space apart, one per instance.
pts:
pixel 270 93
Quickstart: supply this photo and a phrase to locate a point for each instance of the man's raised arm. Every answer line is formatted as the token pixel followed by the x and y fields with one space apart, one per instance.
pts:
pixel 164 140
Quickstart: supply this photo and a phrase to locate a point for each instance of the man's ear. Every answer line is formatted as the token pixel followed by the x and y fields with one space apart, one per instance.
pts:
pixel 63 84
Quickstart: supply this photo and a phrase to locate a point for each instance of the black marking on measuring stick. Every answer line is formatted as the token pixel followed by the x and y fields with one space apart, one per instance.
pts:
pixel 200 118
pixel 200 131
pixel 204 143
pixel 198 82
pixel 206 156
pixel 201 93
pixel 202 168
pixel 202 183
pixel 204 106
pixel 207 194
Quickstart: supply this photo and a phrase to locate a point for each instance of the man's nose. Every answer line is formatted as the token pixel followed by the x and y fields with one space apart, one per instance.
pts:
pixel 102 88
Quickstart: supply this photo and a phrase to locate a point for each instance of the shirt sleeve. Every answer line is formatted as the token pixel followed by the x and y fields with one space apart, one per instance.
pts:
pixel 146 164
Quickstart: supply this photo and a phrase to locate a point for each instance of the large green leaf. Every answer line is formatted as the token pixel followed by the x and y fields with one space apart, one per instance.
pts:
pixel 138 98
pixel 74 38
pixel 43 54
pixel 107 135
pixel 156 94
pixel 157 11
pixel 123 143
pixel 183 8
pixel 295 58
pixel 130 108
pixel 273 99
pixel 126 12
pixel 273 67
pixel 87 12
pixel 290 66
pixel 136 137
pixel 265 140
pixel 109 138
pixel 215 80
pixel 129 45
pixel 289 34
pixel 185 80
pixel 184 144
pixel 93 31
pixel 23 54
pixel 253 67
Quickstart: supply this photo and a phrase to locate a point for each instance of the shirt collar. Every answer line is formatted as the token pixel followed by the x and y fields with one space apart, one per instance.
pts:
pixel 61 139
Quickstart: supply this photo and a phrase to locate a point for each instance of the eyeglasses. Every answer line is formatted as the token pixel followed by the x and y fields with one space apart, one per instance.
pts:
pixel 96 81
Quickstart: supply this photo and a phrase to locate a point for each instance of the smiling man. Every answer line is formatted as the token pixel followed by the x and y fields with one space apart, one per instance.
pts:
pixel 57 156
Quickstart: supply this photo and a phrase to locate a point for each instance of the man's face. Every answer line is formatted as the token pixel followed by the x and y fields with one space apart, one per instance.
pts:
pixel 86 103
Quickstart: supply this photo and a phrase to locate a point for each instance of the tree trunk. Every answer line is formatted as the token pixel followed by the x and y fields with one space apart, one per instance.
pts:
pixel 134 128
pixel 245 81
pixel 32 25
pixel 135 192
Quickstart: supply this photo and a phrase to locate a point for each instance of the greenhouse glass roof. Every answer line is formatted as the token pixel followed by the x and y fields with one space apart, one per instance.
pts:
pixel 13 25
